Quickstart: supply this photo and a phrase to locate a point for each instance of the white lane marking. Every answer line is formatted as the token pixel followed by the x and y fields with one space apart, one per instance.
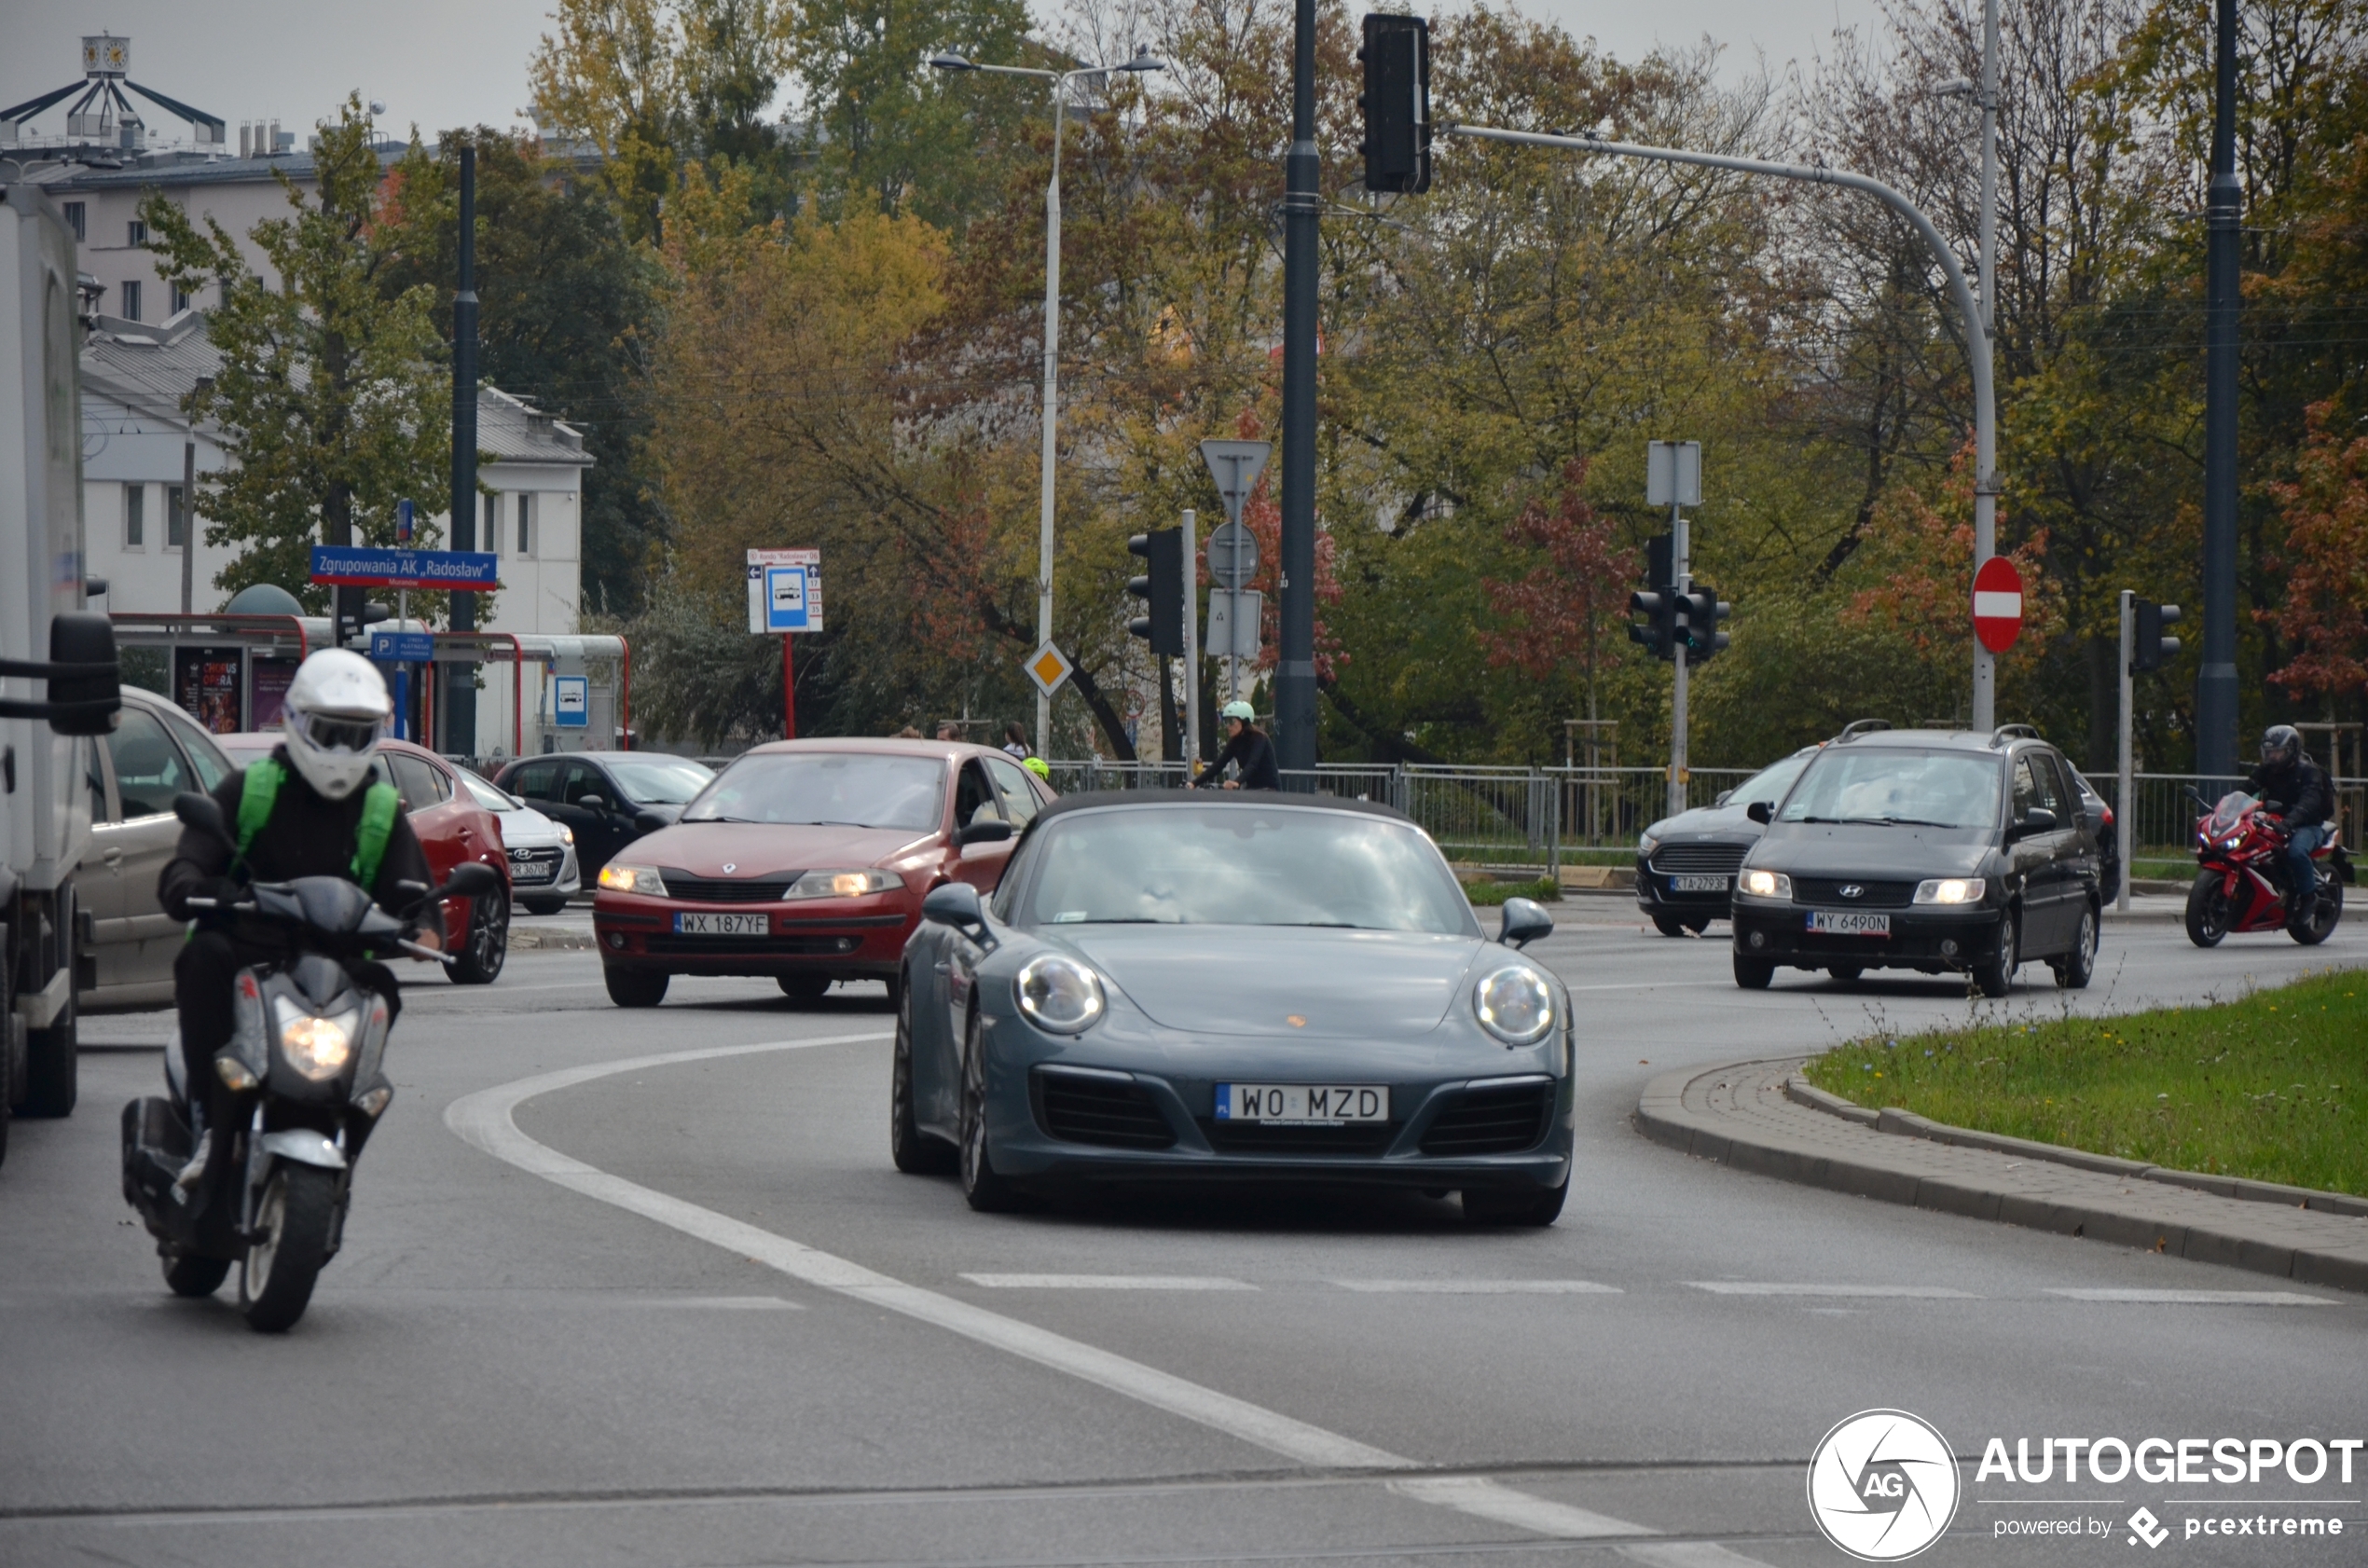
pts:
pixel 1686 1554
pixel 2200 1297
pixel 726 1303
pixel 1749 1287
pixel 1106 1281
pixel 1479 1287
pixel 485 1119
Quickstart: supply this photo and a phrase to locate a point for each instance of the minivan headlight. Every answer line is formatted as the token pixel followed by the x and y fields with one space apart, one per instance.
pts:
pixel 1950 890
pixel 1060 994
pixel 1767 885
pixel 1515 1004
pixel 315 1047
pixel 843 884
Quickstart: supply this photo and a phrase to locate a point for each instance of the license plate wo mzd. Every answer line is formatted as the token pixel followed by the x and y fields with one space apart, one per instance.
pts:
pixel 1302 1101
pixel 1848 923
pixel 1697 885
pixel 720 925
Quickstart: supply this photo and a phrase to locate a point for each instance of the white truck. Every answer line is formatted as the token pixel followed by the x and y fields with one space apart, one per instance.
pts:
pixel 58 676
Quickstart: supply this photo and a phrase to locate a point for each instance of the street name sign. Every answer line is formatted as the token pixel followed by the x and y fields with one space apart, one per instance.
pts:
pixel 1998 604
pixel 468 571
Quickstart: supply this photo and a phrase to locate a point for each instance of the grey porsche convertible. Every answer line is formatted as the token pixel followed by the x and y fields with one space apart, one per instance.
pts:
pixel 1255 988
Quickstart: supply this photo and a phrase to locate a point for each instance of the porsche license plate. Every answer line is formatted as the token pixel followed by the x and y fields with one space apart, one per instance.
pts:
pixel 1302 1101
pixel 1697 885
pixel 1848 923
pixel 720 925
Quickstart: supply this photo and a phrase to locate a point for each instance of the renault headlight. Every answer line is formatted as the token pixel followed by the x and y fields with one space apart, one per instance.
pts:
pixel 1060 994
pixel 1950 890
pixel 1767 885
pixel 843 884
pixel 316 1047
pixel 1515 1004
pixel 633 879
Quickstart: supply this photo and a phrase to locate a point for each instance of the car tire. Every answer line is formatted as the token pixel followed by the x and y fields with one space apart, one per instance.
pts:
pixel 486 946
pixel 1994 976
pixel 634 987
pixel 1698 926
pixel 915 1152
pixel 1516 1208
pixel 2076 968
pixel 2208 912
pixel 2326 911
pixel 1669 925
pixel 983 1188
pixel 1845 974
pixel 1753 974
pixel 195 1277
pixel 52 1067
pixel 542 906
pixel 803 990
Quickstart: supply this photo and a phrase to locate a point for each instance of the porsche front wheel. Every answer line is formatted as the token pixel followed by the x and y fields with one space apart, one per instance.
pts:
pixel 986 1190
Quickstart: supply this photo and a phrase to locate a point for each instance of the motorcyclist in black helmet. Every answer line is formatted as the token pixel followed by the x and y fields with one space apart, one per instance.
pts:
pixel 2292 787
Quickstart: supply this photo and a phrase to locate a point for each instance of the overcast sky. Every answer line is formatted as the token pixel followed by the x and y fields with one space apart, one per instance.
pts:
pixel 445 63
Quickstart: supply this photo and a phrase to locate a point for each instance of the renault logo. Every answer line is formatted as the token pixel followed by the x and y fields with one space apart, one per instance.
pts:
pixel 1848 890
pixel 730 866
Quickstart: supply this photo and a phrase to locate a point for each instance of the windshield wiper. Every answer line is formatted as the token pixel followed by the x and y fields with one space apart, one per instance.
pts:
pixel 1897 822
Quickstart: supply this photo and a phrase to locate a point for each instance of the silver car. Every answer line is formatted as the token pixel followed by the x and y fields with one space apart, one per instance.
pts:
pixel 128 944
pixel 543 871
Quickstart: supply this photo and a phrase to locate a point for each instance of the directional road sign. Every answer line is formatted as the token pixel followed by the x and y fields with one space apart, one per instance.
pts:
pixel 785 591
pixel 1235 466
pixel 1233 555
pixel 1998 604
pixel 1048 666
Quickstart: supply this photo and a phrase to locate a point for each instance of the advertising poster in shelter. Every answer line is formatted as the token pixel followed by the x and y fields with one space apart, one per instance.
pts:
pixel 268 692
pixel 208 683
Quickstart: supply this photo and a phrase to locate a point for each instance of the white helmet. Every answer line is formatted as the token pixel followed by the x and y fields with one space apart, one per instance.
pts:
pixel 336 711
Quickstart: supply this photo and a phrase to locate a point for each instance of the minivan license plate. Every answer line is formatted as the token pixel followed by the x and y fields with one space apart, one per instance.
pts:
pixel 1848 923
pixel 720 924
pixel 1302 1101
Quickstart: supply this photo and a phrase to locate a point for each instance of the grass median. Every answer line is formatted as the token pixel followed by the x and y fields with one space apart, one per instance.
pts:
pixel 2268 1086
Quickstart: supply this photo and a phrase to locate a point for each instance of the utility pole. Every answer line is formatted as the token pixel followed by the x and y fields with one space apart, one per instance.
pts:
pixel 1673 477
pixel 2125 800
pixel 1985 704
pixel 2216 684
pixel 1295 663
pixel 1191 585
pixel 189 527
pixel 460 685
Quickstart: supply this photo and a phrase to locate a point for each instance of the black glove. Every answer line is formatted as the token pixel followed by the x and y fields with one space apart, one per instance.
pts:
pixel 223 890
pixel 2273 808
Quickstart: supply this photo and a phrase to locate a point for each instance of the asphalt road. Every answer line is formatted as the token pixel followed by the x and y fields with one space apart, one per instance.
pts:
pixel 687 1312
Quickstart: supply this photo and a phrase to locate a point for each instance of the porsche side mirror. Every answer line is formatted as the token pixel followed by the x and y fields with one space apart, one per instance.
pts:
pixel 1524 921
pixel 1760 811
pixel 954 904
pixel 994 830
pixel 205 814
pixel 470 879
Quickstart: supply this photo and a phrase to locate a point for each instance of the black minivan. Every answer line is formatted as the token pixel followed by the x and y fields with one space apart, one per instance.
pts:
pixel 1933 850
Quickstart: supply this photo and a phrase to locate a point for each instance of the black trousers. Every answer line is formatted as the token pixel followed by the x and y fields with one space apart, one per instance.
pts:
pixel 202 975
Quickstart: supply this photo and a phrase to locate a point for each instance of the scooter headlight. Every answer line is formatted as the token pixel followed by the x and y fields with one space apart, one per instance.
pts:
pixel 319 1047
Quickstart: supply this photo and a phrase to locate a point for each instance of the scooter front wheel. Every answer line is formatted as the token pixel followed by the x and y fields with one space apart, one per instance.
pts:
pixel 291 1242
pixel 2207 912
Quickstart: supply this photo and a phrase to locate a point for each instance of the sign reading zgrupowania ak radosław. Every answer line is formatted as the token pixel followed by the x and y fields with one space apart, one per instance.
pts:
pixel 1883 1485
pixel 366 567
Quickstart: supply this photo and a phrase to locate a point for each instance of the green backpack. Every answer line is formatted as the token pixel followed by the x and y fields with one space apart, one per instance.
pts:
pixel 260 793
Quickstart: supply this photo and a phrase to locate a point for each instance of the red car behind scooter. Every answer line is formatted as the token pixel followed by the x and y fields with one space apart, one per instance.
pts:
pixel 2241 884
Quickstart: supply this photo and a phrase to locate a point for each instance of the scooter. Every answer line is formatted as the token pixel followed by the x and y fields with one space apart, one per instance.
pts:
pixel 2241 887
pixel 305 1067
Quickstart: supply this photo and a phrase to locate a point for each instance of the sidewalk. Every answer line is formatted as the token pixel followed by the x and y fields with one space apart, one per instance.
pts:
pixel 1742 1115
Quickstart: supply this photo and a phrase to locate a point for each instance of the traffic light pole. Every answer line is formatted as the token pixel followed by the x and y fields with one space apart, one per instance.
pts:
pixel 2125 806
pixel 1295 665
pixel 1681 583
pixel 1977 341
pixel 1192 642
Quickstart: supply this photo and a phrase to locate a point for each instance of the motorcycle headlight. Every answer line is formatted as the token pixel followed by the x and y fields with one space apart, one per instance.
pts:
pixel 633 879
pixel 1950 890
pixel 843 884
pixel 2233 843
pixel 1060 994
pixel 1515 1004
pixel 1768 884
pixel 316 1047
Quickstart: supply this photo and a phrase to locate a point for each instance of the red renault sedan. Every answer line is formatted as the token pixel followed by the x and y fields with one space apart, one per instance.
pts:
pixel 806 860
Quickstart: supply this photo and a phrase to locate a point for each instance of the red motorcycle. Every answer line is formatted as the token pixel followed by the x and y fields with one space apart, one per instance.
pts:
pixel 2241 887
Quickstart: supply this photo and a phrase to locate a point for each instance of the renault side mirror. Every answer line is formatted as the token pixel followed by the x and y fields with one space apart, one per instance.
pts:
pixel 993 830
pixel 1524 921
pixel 1761 812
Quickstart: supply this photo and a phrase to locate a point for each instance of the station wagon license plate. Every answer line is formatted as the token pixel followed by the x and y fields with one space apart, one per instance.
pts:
pixel 1302 1101
pixel 1697 885
pixel 1848 923
pixel 720 925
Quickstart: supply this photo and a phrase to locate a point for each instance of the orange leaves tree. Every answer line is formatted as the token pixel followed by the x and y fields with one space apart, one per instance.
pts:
pixel 2324 619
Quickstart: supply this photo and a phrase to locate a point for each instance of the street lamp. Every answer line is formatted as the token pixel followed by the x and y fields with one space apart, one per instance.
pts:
pixel 1144 61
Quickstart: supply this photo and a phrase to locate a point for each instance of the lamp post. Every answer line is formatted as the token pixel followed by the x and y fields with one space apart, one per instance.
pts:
pixel 1144 61
pixel 1984 714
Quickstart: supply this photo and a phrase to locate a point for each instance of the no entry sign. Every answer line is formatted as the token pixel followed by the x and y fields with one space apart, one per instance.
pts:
pixel 1998 604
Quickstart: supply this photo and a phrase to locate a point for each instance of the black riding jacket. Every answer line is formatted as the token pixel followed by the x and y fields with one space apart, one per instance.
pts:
pixel 1255 756
pixel 2300 788
pixel 308 835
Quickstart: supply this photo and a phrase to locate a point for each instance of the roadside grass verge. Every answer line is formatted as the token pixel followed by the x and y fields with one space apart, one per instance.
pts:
pixel 1545 889
pixel 2269 1086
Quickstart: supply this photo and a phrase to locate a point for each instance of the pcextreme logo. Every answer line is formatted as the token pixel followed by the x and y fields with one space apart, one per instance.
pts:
pixel 1882 1485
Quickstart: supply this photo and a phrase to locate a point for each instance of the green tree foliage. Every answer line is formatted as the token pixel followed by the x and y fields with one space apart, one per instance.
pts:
pixel 329 398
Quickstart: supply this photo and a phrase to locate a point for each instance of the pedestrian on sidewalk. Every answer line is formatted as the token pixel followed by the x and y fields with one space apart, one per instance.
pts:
pixel 1015 740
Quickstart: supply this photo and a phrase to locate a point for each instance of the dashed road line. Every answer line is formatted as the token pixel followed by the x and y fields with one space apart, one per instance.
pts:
pixel 2197 1297
pixel 1756 1288
pixel 1107 1282
pixel 1479 1288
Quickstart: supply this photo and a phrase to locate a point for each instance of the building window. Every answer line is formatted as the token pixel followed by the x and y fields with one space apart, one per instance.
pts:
pixel 129 294
pixel 74 220
pixel 135 233
pixel 176 518
pixel 136 517
pixel 180 300
pixel 526 523
pixel 492 537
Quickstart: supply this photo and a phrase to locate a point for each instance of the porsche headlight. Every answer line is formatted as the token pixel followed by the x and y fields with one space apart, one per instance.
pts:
pixel 843 884
pixel 1768 884
pixel 1515 1004
pixel 633 879
pixel 1950 890
pixel 1060 994
pixel 315 1047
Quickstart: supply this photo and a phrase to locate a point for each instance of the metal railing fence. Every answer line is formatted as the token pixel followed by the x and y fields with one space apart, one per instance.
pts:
pixel 2164 824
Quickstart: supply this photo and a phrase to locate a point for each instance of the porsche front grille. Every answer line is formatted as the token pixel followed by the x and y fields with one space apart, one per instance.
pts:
pixel 1503 1121
pixel 1108 1111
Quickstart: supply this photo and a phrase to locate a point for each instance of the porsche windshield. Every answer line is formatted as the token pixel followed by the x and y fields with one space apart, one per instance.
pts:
pixel 1897 789
pixel 1243 865
pixel 850 789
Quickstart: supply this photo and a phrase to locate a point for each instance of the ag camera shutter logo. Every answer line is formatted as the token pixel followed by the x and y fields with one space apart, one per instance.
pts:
pixel 1882 1485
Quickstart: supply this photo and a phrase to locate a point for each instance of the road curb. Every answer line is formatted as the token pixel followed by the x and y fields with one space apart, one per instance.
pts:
pixel 531 941
pixel 1741 1116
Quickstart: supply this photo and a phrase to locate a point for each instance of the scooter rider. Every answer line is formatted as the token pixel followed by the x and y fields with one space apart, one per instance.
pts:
pixel 2292 787
pixel 309 809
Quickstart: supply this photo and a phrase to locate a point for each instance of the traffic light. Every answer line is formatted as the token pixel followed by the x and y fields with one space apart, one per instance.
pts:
pixel 1699 611
pixel 1161 590
pixel 1396 104
pixel 1658 630
pixel 2148 649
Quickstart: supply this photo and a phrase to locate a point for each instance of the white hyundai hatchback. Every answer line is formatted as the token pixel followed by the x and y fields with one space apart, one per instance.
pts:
pixel 542 866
